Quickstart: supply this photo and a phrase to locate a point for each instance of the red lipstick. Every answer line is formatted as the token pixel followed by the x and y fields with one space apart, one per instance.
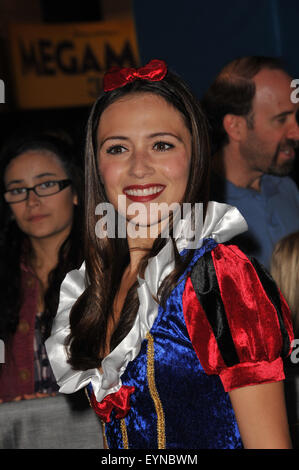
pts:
pixel 36 218
pixel 143 192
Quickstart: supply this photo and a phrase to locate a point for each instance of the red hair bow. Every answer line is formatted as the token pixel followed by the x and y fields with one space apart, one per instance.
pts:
pixel 118 401
pixel 117 77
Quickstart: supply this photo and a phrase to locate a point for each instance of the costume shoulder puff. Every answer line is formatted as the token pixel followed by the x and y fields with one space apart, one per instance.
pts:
pixel 239 323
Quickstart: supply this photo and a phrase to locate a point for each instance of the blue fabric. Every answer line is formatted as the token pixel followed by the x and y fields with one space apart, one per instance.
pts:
pixel 198 413
pixel 270 214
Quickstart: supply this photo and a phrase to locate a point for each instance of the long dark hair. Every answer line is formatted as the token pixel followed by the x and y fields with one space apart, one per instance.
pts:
pixel 107 258
pixel 14 243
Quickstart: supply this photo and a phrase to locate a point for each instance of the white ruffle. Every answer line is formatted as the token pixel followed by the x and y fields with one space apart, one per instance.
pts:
pixel 222 222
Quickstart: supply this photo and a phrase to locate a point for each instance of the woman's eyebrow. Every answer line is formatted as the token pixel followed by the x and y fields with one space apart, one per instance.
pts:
pixel 14 182
pixel 113 137
pixel 41 175
pixel 161 134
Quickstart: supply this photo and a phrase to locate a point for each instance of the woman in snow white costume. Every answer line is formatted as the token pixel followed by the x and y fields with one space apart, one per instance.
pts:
pixel 177 347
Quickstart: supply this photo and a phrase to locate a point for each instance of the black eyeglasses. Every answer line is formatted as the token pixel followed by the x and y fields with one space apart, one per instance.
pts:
pixel 47 188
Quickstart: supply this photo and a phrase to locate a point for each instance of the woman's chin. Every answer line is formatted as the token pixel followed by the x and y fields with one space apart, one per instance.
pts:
pixel 143 229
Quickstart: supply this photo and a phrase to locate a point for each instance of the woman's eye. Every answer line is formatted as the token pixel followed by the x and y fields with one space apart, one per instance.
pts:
pixel 116 149
pixel 18 190
pixel 47 184
pixel 162 146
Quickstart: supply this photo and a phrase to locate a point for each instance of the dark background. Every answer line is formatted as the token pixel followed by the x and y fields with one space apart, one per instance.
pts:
pixel 198 37
pixel 195 37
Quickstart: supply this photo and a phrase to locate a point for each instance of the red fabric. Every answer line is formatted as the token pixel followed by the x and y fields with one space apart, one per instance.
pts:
pixel 252 319
pixel 118 401
pixel 251 315
pixel 252 373
pixel 200 332
pixel 17 373
pixel 117 77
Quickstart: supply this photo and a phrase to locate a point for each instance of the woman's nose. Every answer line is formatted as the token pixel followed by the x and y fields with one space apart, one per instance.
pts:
pixel 32 198
pixel 141 164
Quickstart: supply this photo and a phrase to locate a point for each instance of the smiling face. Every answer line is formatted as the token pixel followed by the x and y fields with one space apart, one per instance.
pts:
pixel 40 217
pixel 269 145
pixel 144 153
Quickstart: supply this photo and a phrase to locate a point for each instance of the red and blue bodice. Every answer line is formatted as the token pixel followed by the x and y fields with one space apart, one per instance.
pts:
pixel 225 326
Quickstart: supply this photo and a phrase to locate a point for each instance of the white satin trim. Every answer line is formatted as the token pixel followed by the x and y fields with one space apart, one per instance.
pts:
pixel 222 223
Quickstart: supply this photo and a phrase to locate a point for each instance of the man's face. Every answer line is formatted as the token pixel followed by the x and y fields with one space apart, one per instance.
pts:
pixel 269 145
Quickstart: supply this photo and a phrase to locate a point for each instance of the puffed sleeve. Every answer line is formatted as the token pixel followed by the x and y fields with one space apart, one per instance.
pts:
pixel 238 322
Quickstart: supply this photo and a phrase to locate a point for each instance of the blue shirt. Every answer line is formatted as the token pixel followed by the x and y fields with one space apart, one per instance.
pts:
pixel 271 214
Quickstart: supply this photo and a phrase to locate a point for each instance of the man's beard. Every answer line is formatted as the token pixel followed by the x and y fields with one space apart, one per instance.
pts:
pixel 284 168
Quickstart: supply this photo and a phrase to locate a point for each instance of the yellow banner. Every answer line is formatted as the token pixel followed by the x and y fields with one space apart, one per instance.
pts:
pixel 62 65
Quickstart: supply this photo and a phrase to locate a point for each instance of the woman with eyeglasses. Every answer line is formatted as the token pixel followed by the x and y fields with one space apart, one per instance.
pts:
pixel 40 242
